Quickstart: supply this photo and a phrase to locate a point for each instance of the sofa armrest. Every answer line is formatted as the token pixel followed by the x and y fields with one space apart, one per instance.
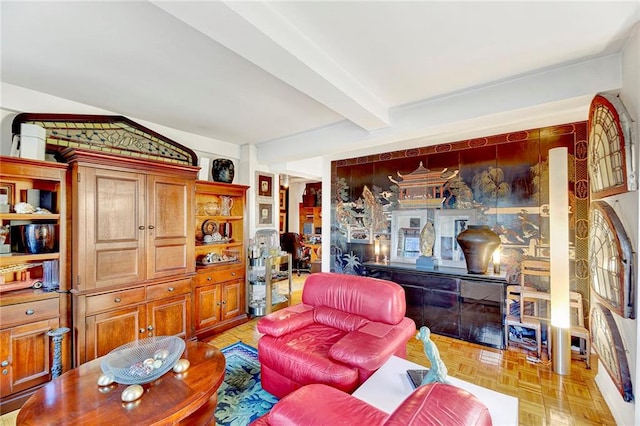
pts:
pixel 286 320
pixel 319 404
pixel 371 346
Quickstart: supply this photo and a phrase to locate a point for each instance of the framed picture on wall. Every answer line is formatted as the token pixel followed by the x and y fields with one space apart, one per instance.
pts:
pixel 265 184
pixel 265 214
pixel 448 224
pixel 283 199
pixel 283 222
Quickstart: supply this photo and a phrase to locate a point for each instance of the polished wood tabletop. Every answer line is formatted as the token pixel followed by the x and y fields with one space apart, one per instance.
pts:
pixel 75 398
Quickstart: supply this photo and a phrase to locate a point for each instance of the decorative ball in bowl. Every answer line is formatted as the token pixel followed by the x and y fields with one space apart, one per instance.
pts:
pixel 143 361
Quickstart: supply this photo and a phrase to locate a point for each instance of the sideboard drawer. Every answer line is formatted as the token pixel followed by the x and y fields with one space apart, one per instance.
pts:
pixel 210 277
pixel 172 288
pixel 117 299
pixel 24 313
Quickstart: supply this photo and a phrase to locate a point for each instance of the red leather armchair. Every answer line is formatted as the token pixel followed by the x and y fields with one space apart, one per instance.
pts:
pixel 429 405
pixel 345 329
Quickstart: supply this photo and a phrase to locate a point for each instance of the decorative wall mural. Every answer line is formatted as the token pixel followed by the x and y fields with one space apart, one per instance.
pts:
pixel 610 139
pixel 503 178
pixel 611 260
pixel 106 133
pixel 610 348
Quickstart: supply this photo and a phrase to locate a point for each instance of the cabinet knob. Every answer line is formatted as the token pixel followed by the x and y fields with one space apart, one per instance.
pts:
pixel 219 303
pixel 209 278
pixel 151 227
pixel 30 312
pixel 142 330
pixel 141 227
pixel 233 274
pixel 117 300
pixel 5 372
pixel 170 289
pixel 224 302
pixel 4 363
pixel 150 328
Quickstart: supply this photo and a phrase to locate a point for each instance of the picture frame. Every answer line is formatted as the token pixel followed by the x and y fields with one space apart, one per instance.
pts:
pixel 265 215
pixel 264 184
pixel 283 222
pixel 358 235
pixel 448 224
pixel 7 191
pixel 283 199
pixel 405 234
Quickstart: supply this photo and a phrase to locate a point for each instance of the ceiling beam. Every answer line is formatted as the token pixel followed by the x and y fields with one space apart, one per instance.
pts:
pixel 256 32
pixel 553 96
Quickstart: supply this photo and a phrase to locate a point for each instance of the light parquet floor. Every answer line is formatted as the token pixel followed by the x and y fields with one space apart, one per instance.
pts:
pixel 545 398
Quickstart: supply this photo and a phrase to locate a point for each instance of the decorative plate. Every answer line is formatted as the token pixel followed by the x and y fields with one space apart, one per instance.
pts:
pixel 209 227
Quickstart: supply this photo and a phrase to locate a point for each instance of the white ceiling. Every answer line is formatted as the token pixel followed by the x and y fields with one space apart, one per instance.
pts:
pixel 266 73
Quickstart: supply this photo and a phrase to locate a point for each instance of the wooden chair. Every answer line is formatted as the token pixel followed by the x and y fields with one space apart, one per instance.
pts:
pixel 578 329
pixel 514 316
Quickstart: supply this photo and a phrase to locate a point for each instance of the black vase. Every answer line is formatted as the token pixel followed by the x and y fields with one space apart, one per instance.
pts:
pixel 223 170
pixel 478 242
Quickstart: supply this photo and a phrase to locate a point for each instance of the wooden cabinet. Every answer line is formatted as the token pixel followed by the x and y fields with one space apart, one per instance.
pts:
pixel 114 318
pixel 219 289
pixel 129 226
pixel 218 303
pixel 133 257
pixel 29 305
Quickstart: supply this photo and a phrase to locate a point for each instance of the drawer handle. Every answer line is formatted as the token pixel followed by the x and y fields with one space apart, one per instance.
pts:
pixel 30 312
pixel 151 227
pixel 141 227
pixel 117 300
pixel 142 330
pixel 150 328
pixel 208 278
pixel 233 274
pixel 170 289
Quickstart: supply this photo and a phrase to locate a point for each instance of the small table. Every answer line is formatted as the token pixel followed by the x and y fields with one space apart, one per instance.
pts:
pixel 75 398
pixel 390 385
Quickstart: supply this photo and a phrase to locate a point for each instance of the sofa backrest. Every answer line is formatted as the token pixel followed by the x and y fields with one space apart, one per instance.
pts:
pixel 439 404
pixel 371 298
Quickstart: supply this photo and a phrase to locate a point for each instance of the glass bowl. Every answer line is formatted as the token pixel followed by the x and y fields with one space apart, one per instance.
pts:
pixel 143 361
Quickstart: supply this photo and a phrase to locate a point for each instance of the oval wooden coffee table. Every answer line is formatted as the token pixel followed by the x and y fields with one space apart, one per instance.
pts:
pixel 74 398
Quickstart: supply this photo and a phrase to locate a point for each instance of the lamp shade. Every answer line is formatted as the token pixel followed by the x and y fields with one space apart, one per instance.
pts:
pixel 559 237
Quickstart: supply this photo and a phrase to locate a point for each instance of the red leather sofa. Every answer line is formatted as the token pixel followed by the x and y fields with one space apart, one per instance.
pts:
pixel 345 329
pixel 433 404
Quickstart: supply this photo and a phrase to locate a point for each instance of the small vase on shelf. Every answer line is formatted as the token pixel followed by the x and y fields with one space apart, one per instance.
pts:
pixel 223 170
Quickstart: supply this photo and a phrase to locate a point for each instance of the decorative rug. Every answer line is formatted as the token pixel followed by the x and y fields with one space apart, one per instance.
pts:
pixel 241 398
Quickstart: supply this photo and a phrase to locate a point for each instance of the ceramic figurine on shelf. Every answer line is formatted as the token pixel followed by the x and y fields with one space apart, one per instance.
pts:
pixel 438 371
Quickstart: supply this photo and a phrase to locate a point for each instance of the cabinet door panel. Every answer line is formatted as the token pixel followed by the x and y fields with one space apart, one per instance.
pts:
pixel 170 218
pixel 26 348
pixel 115 227
pixel 170 317
pixel 112 329
pixel 232 298
pixel 208 306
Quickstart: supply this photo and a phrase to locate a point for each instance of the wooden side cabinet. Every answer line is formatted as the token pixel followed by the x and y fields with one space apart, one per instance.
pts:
pixel 219 295
pixel 219 299
pixel 30 307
